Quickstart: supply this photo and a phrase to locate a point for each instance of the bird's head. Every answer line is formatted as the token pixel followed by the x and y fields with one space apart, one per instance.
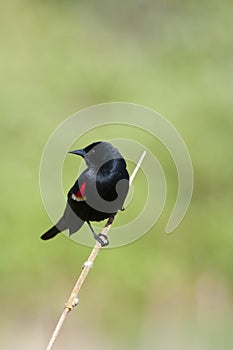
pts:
pixel 97 153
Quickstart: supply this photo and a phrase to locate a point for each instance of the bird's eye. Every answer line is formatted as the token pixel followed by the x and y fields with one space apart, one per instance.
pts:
pixel 92 151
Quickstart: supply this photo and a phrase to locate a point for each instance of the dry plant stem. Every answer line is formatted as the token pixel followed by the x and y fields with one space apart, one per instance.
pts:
pixel 58 328
pixel 73 299
pixel 72 302
pixel 139 163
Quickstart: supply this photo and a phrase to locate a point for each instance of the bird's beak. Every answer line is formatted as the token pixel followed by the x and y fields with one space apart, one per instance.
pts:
pixel 79 152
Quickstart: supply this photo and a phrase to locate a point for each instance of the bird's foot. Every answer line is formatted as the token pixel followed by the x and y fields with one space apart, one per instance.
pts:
pixel 102 239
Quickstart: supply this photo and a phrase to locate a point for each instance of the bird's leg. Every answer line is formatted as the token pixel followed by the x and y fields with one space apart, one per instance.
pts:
pixel 110 221
pixel 101 238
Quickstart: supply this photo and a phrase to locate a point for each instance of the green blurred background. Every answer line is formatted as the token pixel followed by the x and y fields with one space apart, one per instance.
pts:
pixel 163 291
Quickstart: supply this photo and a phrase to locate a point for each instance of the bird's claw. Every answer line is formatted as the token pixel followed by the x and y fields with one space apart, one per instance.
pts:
pixel 102 239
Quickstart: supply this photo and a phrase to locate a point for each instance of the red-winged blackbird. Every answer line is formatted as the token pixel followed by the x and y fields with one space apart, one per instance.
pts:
pixel 98 193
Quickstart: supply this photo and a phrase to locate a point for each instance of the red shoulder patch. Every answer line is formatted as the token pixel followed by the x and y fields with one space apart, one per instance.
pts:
pixel 81 192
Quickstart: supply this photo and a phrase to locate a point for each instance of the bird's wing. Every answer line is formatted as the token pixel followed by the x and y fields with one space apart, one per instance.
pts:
pixel 77 209
pixel 78 191
pixel 113 185
pixel 72 219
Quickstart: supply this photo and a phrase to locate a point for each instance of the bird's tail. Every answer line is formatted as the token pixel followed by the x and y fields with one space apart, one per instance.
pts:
pixel 53 231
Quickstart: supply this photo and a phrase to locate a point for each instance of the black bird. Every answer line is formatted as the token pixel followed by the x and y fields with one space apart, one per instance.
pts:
pixel 98 193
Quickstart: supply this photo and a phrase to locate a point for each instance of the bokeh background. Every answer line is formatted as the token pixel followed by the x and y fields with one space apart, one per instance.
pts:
pixel 163 291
